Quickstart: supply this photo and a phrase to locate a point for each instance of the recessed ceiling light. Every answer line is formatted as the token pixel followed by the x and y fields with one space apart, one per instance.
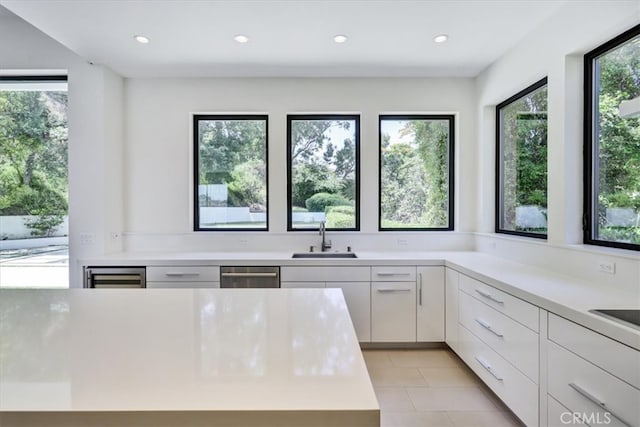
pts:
pixel 441 38
pixel 340 38
pixel 141 39
pixel 241 38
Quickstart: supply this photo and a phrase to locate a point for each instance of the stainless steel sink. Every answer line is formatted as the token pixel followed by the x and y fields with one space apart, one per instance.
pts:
pixel 322 255
pixel 630 317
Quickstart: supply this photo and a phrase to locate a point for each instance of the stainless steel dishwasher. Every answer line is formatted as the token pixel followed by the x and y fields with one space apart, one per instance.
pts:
pixel 249 277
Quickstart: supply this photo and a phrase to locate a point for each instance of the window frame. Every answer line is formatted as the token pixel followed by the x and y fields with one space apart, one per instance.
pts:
pixel 499 194
pixel 196 118
pixel 591 147
pixel 321 116
pixel 450 118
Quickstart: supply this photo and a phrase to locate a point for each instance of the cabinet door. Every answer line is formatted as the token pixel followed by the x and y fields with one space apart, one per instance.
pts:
pixel 184 285
pixel 358 298
pixel 430 304
pixel 451 308
pixel 393 311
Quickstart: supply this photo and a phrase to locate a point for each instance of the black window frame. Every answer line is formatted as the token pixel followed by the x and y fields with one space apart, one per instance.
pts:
pixel 451 168
pixel 590 148
pixel 499 198
pixel 196 161
pixel 320 116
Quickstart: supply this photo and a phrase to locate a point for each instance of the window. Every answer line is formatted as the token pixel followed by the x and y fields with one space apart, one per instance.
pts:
pixel 612 143
pixel 521 163
pixel 323 175
pixel 416 172
pixel 34 181
pixel 230 190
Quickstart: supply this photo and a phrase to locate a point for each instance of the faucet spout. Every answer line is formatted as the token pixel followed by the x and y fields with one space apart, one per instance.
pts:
pixel 326 244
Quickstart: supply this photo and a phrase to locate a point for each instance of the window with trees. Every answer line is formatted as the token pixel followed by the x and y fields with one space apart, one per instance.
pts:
pixel 612 143
pixel 521 163
pixel 230 158
pixel 323 171
pixel 416 172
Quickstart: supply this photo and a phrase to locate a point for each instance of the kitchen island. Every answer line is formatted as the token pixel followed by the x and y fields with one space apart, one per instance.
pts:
pixel 181 357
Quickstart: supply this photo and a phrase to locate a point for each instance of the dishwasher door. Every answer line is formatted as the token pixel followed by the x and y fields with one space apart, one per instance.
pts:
pixel 249 277
pixel 115 277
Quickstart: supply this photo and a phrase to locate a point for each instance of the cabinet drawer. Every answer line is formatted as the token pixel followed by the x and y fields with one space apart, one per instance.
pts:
pixel 183 274
pixel 393 312
pixel 183 285
pixel 325 274
pixel 522 311
pixel 612 356
pixel 586 389
pixel 393 274
pixel 302 284
pixel 559 416
pixel 517 391
pixel 514 342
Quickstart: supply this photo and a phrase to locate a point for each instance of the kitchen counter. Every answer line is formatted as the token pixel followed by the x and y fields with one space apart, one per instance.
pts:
pixel 274 357
pixel 564 295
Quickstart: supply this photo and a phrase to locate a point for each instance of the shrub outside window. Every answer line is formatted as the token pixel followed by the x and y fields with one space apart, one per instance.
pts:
pixel 521 163
pixel 323 153
pixel 230 158
pixel 612 143
pixel 416 172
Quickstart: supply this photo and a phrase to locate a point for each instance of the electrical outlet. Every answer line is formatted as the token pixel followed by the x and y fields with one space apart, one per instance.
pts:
pixel 402 242
pixel 607 267
pixel 87 239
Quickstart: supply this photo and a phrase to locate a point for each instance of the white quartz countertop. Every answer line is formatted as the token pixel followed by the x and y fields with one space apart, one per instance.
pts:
pixel 180 350
pixel 564 295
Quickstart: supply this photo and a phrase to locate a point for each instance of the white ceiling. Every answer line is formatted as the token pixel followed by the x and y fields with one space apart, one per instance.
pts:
pixel 194 38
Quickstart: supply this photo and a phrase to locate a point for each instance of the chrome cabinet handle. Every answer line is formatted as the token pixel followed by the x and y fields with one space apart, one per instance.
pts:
pixel 486 366
pixel 386 290
pixel 488 327
pixel 249 274
pixel 420 290
pixel 390 273
pixel 180 274
pixel 597 401
pixel 489 296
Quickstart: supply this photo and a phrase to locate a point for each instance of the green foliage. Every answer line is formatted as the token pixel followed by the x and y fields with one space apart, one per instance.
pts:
pixel 340 220
pixel 351 210
pixel 320 201
pixel 33 157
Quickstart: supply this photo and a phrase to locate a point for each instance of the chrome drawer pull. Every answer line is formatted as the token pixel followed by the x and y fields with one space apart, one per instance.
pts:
pixel 486 366
pixel 420 290
pixel 597 401
pixel 390 273
pixel 384 290
pixel 489 296
pixel 249 274
pixel 488 327
pixel 179 274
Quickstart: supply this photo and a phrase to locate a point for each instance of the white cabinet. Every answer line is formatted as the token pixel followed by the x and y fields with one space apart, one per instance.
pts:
pixel 358 299
pixel 353 280
pixel 183 277
pixel 393 312
pixel 451 308
pixel 430 304
pixel 592 375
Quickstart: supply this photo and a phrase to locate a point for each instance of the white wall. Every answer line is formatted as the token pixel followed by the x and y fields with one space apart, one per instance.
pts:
pixel 95 134
pixel 159 147
pixel 555 50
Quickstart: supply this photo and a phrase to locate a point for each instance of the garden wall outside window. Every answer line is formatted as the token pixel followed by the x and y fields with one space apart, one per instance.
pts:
pixel 416 172
pixel 612 143
pixel 521 163
pixel 230 158
pixel 323 171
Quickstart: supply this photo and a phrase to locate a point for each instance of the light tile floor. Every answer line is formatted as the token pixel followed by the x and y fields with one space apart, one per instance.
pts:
pixel 432 387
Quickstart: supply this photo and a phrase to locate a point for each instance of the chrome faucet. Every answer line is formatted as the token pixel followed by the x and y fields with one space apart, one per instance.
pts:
pixel 326 244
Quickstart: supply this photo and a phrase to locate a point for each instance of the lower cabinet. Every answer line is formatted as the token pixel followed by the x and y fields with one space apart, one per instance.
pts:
pixel 183 277
pixel 430 304
pixel 451 308
pixel 393 312
pixel 358 299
